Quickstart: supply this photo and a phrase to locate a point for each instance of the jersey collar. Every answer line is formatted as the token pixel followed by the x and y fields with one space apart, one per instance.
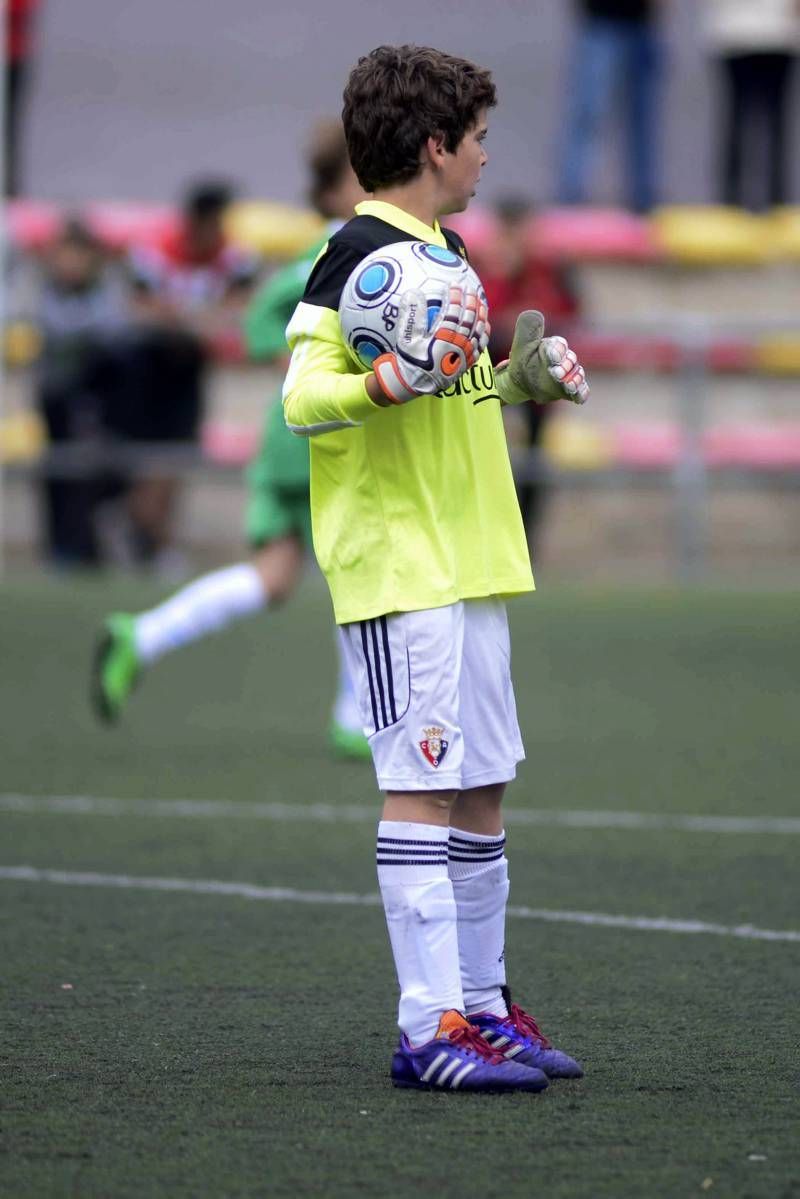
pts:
pixel 393 215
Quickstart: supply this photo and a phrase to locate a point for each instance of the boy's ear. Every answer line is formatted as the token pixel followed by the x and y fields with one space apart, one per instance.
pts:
pixel 435 149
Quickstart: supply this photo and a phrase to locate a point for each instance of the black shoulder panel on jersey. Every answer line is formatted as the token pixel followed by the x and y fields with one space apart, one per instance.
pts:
pixel 330 273
pixel 347 247
pixel 455 242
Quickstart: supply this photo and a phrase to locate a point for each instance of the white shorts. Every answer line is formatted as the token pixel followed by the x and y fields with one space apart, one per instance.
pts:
pixel 435 696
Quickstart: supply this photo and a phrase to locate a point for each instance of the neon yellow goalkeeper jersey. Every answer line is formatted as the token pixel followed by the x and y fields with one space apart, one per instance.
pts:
pixel 412 506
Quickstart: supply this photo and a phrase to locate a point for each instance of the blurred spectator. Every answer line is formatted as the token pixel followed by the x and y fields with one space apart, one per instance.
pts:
pixel 188 292
pixel 19 46
pixel 515 276
pixel 616 62
pixel 755 47
pixel 80 310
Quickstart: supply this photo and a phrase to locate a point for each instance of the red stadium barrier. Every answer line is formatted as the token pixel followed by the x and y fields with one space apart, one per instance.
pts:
pixel 556 233
pixel 640 447
pixel 658 446
pixel 615 352
pixel 559 234
pixel 31 224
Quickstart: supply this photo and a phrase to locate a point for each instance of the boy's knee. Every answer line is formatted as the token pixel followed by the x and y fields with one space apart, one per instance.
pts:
pixel 419 807
pixel 440 801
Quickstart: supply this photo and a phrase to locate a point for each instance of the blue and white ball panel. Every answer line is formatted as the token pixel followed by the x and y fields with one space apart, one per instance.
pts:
pixel 376 282
pixel 367 345
pixel 439 255
pixel 370 300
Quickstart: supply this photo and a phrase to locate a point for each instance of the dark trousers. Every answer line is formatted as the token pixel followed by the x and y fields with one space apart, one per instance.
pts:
pixel 620 71
pixel 156 387
pixel 69 500
pixel 532 494
pixel 16 78
pixel 754 167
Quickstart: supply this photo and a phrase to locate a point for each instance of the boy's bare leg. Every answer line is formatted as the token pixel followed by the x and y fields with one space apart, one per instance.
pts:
pixel 419 807
pixel 479 810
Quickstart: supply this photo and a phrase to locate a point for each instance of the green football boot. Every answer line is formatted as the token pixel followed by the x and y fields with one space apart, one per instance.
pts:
pixel 116 667
pixel 348 743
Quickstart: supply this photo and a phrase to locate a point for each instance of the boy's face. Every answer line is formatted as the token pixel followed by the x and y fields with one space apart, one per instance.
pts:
pixel 71 264
pixel 462 168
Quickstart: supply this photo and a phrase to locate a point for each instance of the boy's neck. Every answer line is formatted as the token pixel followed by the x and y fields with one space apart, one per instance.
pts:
pixel 418 198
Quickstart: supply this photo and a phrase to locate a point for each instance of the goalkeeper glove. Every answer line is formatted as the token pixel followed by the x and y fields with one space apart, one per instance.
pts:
pixel 540 368
pixel 426 360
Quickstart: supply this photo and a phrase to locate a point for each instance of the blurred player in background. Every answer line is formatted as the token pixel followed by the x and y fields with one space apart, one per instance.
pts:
pixel 756 48
pixel 418 532
pixel 619 55
pixel 81 311
pixel 188 291
pixel 278 519
pixel 516 276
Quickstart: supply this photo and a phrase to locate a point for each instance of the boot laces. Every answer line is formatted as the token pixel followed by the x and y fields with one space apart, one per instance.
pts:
pixel 470 1039
pixel 527 1026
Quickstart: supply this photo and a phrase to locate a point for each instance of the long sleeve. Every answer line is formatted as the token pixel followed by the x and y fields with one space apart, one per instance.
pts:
pixel 322 391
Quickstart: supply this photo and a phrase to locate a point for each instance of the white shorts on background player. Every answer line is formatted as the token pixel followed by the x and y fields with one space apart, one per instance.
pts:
pixel 435 693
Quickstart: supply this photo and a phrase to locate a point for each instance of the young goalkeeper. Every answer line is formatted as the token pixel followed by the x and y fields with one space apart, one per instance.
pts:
pixel 278 519
pixel 418 532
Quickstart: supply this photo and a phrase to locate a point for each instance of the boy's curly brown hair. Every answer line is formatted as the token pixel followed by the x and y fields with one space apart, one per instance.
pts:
pixel 397 97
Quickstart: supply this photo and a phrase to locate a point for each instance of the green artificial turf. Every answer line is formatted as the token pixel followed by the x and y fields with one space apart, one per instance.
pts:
pixel 208 1045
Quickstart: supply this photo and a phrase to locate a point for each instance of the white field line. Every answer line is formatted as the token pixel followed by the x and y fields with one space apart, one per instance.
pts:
pixel 322 813
pixel 200 886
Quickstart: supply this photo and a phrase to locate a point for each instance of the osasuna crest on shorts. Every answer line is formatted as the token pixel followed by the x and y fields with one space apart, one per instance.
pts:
pixel 430 728
pixel 433 745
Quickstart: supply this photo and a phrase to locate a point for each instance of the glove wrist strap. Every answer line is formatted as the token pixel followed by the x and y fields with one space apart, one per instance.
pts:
pixel 509 391
pixel 390 381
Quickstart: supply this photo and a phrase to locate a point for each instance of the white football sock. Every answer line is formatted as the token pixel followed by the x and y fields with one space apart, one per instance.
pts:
pixel 345 707
pixel 421 915
pixel 479 873
pixel 201 607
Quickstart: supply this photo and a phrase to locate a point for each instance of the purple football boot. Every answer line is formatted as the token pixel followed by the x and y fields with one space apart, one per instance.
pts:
pixel 458 1059
pixel 518 1037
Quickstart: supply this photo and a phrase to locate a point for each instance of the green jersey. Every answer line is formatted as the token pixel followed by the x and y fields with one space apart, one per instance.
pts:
pixel 282 459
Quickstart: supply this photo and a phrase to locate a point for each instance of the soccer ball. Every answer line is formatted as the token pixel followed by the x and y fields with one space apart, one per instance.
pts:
pixel 369 306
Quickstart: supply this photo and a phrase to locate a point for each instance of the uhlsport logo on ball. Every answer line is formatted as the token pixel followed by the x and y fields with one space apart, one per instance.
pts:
pixel 370 303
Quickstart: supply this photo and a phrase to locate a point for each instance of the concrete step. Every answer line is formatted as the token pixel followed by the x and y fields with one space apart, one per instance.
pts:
pixel 737 299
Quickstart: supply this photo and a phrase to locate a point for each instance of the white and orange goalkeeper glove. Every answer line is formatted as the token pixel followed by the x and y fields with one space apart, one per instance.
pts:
pixel 540 368
pixel 429 360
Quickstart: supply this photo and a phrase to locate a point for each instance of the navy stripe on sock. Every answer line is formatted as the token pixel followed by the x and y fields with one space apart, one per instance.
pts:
pixel 405 841
pixel 417 853
pixel 470 841
pixel 461 846
pixel 494 857
pixel 411 861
